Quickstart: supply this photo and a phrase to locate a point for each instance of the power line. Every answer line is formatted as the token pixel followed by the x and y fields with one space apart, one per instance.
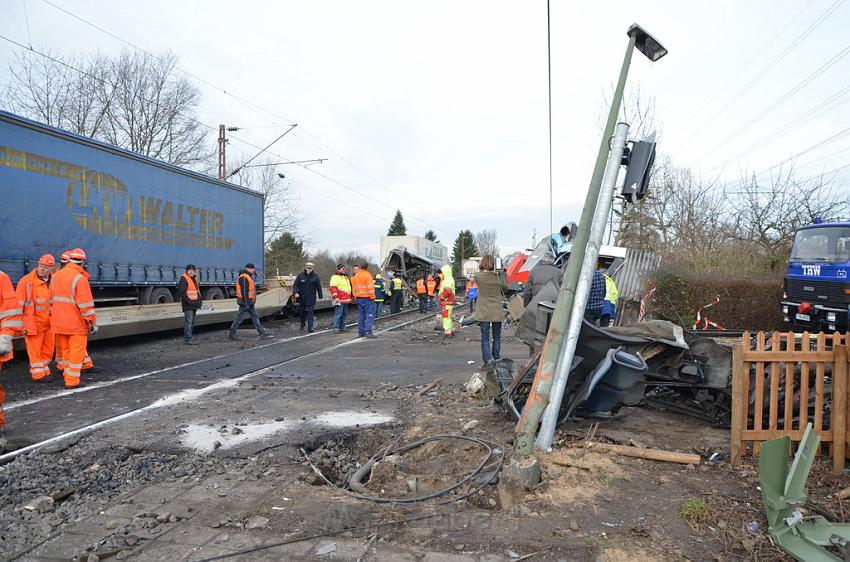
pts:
pixel 255 107
pixel 549 63
pixel 794 124
pixel 202 124
pixel 785 97
pixel 770 66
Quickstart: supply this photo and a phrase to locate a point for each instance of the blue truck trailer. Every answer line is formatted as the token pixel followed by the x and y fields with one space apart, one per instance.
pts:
pixel 817 285
pixel 139 220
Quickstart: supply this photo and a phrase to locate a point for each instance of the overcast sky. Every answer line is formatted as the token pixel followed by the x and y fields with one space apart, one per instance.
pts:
pixel 440 108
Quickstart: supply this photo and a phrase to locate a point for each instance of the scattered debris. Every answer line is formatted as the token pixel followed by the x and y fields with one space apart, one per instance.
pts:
pixel 470 425
pixel 649 454
pixel 428 388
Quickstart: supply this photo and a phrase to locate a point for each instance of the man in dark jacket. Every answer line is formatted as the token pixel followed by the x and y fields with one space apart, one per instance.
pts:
pixel 307 285
pixel 190 299
pixel 246 297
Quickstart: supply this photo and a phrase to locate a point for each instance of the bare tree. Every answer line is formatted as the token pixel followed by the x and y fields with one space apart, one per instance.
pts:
pixel 768 212
pixel 485 241
pixel 68 93
pixel 153 111
pixel 281 205
pixel 133 101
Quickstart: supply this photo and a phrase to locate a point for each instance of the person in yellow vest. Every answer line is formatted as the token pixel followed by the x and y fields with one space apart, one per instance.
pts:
pixel 341 296
pixel 381 293
pixel 422 293
pixel 447 300
pixel 72 314
pixel 33 292
pixel 190 299
pixel 398 293
pixel 246 297
pixel 609 305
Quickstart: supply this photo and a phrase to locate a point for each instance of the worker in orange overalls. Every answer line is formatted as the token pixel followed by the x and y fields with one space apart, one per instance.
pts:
pixel 422 293
pixel 34 297
pixel 11 325
pixel 72 314
pixel 431 285
pixel 88 365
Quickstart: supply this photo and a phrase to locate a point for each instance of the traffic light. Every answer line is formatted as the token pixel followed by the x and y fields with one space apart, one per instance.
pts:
pixel 639 162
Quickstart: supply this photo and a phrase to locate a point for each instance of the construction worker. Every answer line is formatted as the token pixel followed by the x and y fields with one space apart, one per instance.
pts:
pixel 88 365
pixel 447 300
pixel 609 305
pixel 72 314
pixel 246 297
pixel 304 290
pixel 431 285
pixel 11 325
pixel 422 293
pixel 381 294
pixel 33 292
pixel 472 293
pixel 398 294
pixel 363 288
pixel 341 296
pixel 190 300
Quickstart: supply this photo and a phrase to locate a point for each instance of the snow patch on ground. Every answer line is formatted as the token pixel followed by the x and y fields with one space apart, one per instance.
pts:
pixel 351 418
pixel 204 437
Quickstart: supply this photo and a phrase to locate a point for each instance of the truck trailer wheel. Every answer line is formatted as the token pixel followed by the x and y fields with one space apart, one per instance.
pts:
pixel 157 295
pixel 214 294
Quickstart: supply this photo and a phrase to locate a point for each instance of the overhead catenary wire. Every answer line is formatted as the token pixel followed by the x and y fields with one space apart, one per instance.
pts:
pixel 202 124
pixel 782 99
pixel 766 70
pixel 794 124
pixel 255 107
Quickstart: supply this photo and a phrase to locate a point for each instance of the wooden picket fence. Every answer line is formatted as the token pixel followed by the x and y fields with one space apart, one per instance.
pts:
pixel 778 381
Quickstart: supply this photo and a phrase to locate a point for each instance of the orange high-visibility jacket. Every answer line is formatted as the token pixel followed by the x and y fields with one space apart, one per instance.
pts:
pixel 192 292
pixel 34 298
pixel 11 323
pixel 72 305
pixel 248 294
pixel 363 285
pixel 420 287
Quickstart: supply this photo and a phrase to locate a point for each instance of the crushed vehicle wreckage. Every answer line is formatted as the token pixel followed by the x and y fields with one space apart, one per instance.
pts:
pixel 655 362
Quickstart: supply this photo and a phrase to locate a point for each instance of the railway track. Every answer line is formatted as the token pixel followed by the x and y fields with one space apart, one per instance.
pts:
pixel 51 418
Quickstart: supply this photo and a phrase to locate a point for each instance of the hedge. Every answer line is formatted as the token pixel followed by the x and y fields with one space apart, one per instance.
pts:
pixel 746 303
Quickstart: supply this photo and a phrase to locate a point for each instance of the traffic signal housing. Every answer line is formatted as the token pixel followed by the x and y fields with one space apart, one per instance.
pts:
pixel 638 163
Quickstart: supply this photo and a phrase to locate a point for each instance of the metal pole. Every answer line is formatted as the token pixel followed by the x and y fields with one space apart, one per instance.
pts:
pixel 538 398
pixel 222 163
pixel 588 267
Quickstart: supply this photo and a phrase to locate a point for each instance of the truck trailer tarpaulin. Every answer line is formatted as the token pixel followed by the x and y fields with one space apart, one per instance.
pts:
pixel 139 220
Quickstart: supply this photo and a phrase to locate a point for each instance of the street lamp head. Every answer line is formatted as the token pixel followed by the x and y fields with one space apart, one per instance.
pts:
pixel 646 43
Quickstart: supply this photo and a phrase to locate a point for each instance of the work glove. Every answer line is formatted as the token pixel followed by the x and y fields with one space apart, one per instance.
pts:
pixel 5 344
pixel 93 329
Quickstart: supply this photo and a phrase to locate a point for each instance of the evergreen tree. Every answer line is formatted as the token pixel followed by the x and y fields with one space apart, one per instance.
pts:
pixel 286 255
pixel 432 236
pixel 397 227
pixel 463 249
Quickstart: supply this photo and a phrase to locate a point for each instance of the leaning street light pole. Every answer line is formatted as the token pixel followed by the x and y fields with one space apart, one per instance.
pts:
pixel 538 399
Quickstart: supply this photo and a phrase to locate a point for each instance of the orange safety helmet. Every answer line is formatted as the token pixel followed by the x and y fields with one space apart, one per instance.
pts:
pixel 47 259
pixel 64 258
pixel 77 254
